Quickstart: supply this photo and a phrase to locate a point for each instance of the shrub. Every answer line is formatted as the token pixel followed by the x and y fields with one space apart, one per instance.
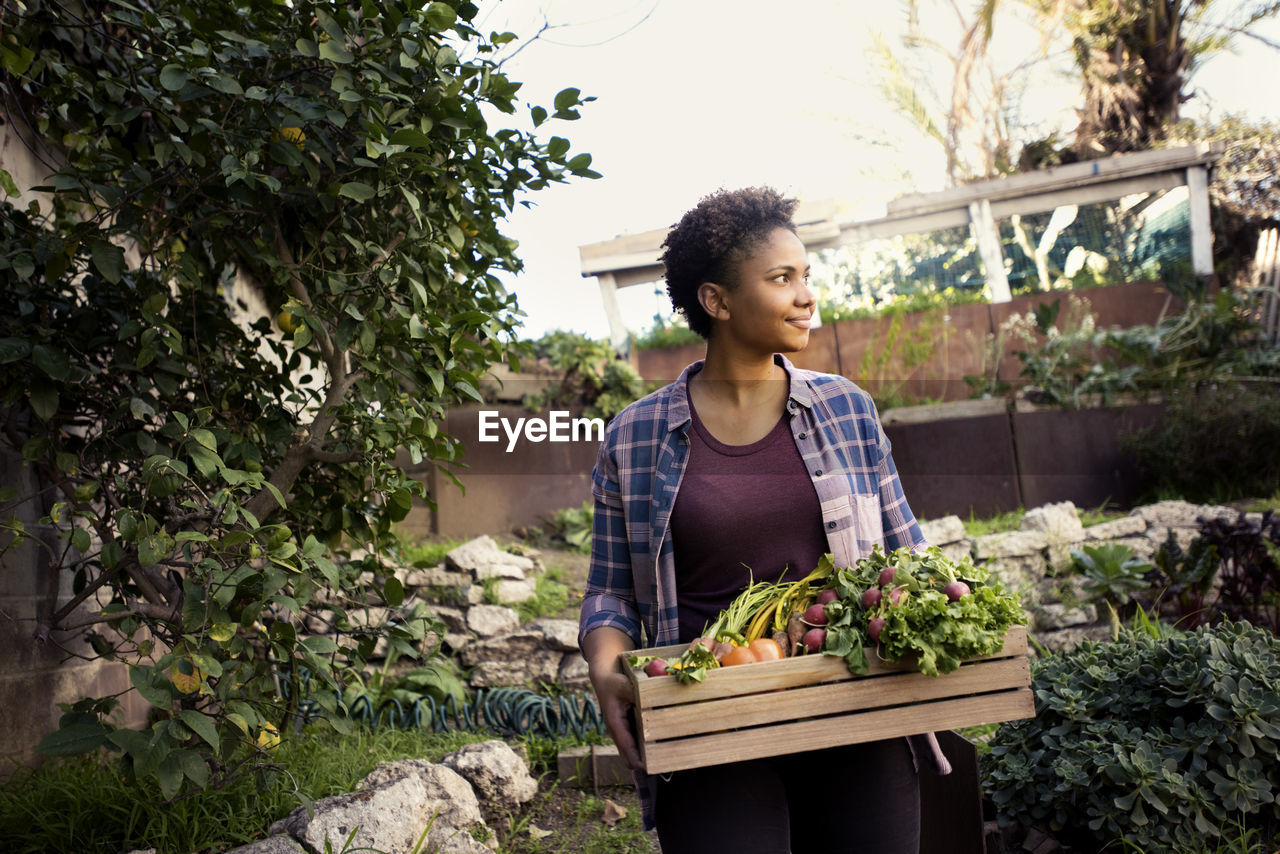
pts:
pixel 1163 742
pixel 1212 444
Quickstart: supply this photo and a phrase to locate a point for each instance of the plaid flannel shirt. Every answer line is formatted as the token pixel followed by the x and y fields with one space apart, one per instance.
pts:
pixel 631 584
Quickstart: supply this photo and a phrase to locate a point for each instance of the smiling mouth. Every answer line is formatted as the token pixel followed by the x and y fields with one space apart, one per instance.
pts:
pixel 801 321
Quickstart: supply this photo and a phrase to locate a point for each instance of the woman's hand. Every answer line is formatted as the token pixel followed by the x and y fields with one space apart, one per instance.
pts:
pixel 616 698
pixel 602 649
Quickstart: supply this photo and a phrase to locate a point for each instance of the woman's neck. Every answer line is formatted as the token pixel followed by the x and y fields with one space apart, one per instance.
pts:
pixel 740 380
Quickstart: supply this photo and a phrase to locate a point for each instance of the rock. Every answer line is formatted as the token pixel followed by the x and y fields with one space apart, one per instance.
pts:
pixel 941 532
pixel 270 845
pixel 471 594
pixel 1114 529
pixel 514 590
pixel 513 645
pixel 1178 514
pixel 1051 616
pixel 573 674
pixel 481 558
pixel 498 776
pixel 1009 544
pixel 457 640
pixel 436 576
pixel 490 620
pixel 394 807
pixel 557 634
pixel 370 616
pixel 542 665
pixel 1061 527
pixel 1143 548
pixel 1018 573
pixel 957 551
pixel 454 619
pixel 1058 522
pixel 1064 639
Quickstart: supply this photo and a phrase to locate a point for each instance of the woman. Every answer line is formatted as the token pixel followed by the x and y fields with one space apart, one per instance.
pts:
pixel 744 467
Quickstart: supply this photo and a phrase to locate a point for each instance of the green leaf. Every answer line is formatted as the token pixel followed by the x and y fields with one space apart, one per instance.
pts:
pixel 169 774
pixel 468 389
pixel 225 85
pixel 16 62
pixel 202 725
pixel 411 137
pixel 307 48
pixel 393 592
pixel 108 259
pixel 567 98
pixel 173 77
pixel 44 401
pixel 74 739
pixel 193 766
pixel 204 437
pixel 440 16
pixel 13 349
pixel 320 644
pixel 155 690
pixel 6 184
pixel 334 52
pixel 80 540
pixel 51 360
pixel 357 190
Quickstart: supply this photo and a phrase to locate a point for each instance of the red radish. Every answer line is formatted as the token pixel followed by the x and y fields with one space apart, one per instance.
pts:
pixel 813 639
pixel 896 594
pixel 657 667
pixel 956 590
pixel 871 597
pixel 815 615
pixel 874 627
pixel 825 596
pixel 707 643
pixel 886 576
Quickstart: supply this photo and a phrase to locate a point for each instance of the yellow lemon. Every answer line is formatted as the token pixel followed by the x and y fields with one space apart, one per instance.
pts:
pixel 268 736
pixel 287 322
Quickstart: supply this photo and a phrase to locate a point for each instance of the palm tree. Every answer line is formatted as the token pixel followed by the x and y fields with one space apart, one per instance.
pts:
pixel 1135 58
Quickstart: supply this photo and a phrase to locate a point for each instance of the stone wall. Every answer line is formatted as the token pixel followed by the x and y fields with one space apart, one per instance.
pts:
pixel 1035 561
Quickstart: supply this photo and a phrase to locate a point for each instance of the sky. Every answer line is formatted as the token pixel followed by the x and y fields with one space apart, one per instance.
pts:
pixel 695 95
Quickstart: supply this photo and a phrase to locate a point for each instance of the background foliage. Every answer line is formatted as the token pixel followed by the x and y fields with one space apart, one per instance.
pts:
pixel 198 455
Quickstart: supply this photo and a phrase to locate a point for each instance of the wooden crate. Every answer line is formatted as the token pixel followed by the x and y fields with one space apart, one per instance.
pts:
pixel 812 701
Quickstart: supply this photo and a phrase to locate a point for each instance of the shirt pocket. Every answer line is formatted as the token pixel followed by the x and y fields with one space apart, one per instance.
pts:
pixel 853 525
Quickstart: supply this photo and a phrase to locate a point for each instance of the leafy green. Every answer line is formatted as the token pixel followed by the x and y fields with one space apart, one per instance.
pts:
pixel 925 624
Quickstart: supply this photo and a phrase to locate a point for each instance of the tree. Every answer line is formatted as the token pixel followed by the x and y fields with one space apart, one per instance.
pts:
pixel 200 462
pixel 1134 58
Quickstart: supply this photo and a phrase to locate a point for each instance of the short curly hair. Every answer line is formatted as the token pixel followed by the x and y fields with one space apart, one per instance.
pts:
pixel 712 239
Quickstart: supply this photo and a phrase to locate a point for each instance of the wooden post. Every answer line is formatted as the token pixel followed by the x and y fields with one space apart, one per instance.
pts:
pixel 1201 228
pixel 984 230
pixel 618 336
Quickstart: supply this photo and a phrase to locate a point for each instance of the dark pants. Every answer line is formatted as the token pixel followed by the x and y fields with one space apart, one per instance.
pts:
pixel 844 800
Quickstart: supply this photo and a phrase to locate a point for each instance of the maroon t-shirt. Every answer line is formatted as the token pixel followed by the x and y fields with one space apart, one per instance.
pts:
pixel 743 513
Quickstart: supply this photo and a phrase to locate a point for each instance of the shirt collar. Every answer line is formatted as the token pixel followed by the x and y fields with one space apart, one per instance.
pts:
pixel 679 416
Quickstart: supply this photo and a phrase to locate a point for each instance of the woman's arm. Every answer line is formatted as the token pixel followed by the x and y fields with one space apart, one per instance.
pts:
pixel 602 648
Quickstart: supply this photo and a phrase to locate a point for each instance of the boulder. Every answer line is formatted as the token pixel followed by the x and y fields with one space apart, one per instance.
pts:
pixel 1019 574
pixel 482 558
pixel 1178 514
pixel 1051 616
pixel 573 674
pixel 454 619
pixel 397 804
pixel 541 665
pixel 1061 527
pixel 491 620
pixel 513 645
pixel 497 774
pixel 1114 529
pixel 1010 544
pixel 436 576
pixel 557 634
pixel 514 590
pixel 941 532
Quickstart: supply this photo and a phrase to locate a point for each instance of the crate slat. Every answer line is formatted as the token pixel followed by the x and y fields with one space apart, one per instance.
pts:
pixel 799 736
pixel 895 689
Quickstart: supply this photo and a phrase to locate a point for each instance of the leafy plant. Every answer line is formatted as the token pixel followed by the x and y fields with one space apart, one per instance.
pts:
pixel 1185 579
pixel 572 526
pixel 1249 578
pixel 196 457
pixel 667 332
pixel 1162 743
pixel 551 596
pixel 595 381
pixel 1112 573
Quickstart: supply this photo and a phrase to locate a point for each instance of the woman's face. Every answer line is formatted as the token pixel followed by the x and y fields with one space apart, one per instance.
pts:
pixel 770 305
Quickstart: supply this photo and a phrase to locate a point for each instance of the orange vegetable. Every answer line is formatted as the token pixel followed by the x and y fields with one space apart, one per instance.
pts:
pixel 766 649
pixel 738 655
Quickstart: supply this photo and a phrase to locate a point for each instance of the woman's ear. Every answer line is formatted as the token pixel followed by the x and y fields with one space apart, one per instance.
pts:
pixel 712 298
